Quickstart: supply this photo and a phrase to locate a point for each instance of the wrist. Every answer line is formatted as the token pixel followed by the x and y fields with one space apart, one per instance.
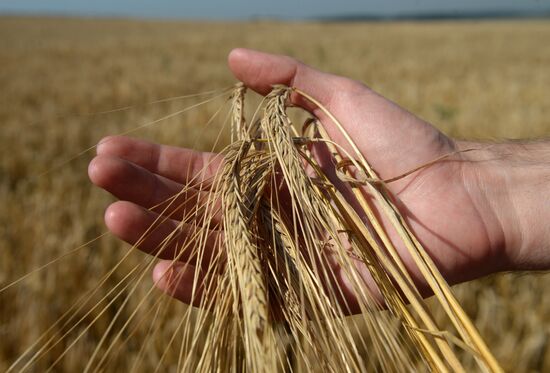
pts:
pixel 510 182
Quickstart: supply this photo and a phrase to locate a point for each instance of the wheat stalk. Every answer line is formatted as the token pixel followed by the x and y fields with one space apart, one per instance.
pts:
pixel 279 274
pixel 288 234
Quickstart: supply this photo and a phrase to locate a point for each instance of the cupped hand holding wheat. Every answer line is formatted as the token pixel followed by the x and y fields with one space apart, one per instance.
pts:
pixel 369 206
pixel 442 203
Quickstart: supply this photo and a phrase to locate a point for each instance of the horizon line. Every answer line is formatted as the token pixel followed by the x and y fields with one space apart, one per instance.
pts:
pixel 344 17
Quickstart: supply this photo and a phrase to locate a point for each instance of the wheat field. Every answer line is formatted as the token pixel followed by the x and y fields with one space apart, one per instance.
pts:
pixel 482 80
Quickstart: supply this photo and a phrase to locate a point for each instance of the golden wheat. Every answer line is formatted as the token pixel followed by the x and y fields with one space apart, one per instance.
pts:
pixel 276 286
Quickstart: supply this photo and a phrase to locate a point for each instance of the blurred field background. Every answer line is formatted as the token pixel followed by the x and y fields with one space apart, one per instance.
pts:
pixel 471 79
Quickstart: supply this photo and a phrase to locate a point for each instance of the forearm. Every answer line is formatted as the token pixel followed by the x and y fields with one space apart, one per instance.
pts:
pixel 512 182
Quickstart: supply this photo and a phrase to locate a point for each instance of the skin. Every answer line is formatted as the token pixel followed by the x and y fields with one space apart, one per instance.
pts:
pixel 475 213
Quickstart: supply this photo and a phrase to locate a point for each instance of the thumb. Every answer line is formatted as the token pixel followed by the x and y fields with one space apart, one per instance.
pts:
pixel 259 71
pixel 383 131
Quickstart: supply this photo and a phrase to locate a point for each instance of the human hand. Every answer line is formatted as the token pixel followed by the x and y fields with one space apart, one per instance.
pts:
pixel 445 204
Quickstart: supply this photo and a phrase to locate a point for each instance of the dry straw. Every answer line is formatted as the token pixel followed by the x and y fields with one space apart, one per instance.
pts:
pixel 284 249
pixel 269 299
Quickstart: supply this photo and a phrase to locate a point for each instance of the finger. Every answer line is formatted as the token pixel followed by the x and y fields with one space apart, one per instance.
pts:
pixel 375 123
pixel 157 235
pixel 181 281
pixel 260 71
pixel 178 164
pixel 130 182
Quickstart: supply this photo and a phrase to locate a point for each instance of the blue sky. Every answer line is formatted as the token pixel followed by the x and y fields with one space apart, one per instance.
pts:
pixel 293 9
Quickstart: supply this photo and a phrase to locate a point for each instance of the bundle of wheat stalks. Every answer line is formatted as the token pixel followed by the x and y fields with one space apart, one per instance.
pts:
pixel 294 230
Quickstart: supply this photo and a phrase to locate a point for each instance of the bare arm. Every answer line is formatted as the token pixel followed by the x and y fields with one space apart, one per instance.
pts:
pixel 511 181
